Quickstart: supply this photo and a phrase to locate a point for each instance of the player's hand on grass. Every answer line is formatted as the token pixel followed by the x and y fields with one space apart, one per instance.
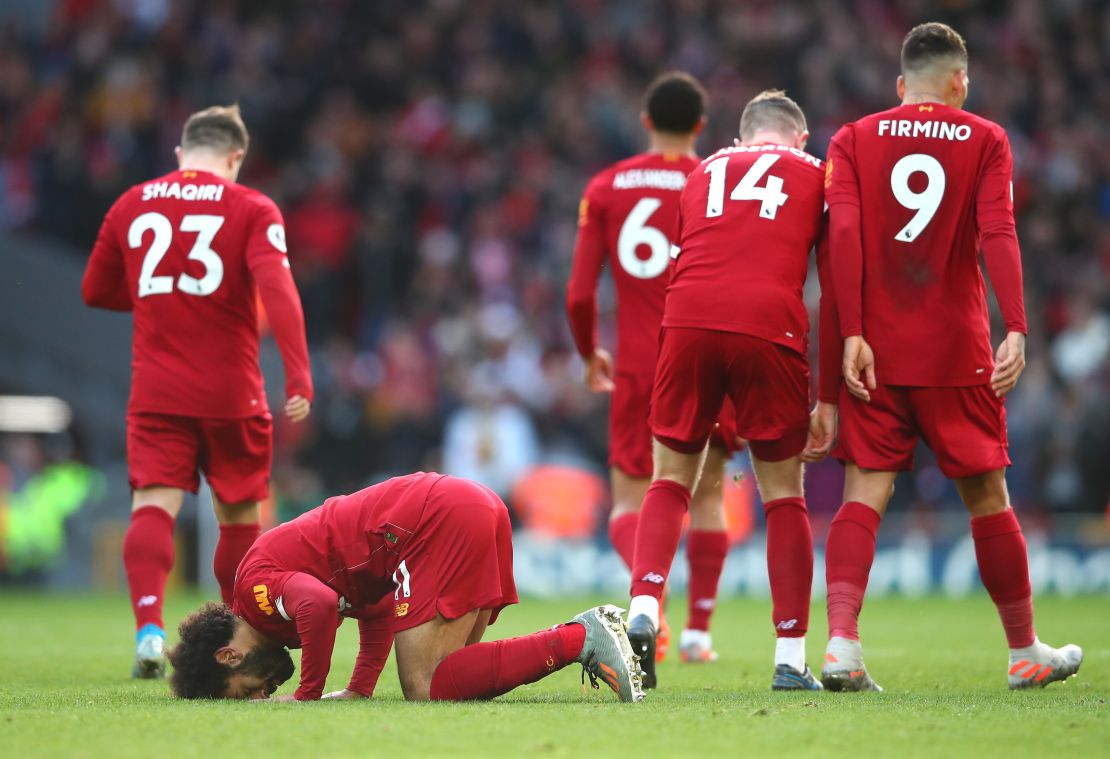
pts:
pixel 1009 363
pixel 822 432
pixel 859 367
pixel 599 371
pixel 343 695
pixel 297 408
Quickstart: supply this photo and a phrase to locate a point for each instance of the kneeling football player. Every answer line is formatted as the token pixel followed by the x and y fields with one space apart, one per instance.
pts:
pixel 423 561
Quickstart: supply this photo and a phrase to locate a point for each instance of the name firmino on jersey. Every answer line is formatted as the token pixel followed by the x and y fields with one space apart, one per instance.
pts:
pixel 188 192
pixel 937 130
pixel 659 179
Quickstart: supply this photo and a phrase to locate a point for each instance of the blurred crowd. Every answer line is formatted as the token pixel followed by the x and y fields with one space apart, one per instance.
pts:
pixel 429 155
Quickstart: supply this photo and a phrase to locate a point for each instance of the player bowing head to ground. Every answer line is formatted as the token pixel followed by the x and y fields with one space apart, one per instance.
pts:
pixel 735 328
pixel 185 253
pixel 626 218
pixel 424 562
pixel 915 193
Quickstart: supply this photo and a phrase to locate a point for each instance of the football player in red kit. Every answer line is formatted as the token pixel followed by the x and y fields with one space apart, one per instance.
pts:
pixel 423 562
pixel 735 327
pixel 185 253
pixel 914 194
pixel 626 216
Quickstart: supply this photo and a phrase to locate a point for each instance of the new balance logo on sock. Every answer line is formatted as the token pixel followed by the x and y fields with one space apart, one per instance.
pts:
pixel 146 601
pixel 653 577
pixel 787 624
pixel 705 604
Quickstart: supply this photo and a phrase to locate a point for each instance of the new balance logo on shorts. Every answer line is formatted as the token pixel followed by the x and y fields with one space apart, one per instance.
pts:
pixel 654 577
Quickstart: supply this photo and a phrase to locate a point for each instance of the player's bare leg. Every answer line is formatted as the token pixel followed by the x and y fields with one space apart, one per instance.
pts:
pixel 706 549
pixel 421 649
pixel 849 553
pixel 1004 568
pixel 148 554
pixel 665 505
pixel 443 660
pixel 789 567
pixel 239 528
pixel 628 495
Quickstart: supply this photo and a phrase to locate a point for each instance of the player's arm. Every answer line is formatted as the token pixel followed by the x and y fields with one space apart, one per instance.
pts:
pixel 830 340
pixel 822 423
pixel 375 635
pixel 269 265
pixel 581 304
pixel 994 210
pixel 313 607
pixel 842 193
pixel 105 282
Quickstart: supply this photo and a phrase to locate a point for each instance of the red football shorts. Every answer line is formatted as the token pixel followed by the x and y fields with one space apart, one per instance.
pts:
pixel 699 369
pixel 630 433
pixel 460 558
pixel 234 454
pixel 964 426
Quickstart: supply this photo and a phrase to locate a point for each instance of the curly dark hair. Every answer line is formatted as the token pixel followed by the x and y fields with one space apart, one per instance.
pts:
pixel 675 102
pixel 196 673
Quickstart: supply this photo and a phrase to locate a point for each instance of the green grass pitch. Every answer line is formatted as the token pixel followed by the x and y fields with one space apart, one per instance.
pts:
pixel 64 691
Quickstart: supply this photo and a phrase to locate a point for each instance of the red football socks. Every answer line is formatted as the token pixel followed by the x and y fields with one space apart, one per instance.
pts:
pixel 486 670
pixel 705 551
pixel 232 546
pixel 790 565
pixel 1004 568
pixel 622 534
pixel 849 552
pixel 657 536
pixel 148 559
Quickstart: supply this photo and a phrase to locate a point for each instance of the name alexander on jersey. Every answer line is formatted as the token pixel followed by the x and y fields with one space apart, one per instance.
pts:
pixel 658 179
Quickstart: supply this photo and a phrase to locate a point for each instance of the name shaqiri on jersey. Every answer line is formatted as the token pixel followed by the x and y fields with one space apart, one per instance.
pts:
pixel 189 247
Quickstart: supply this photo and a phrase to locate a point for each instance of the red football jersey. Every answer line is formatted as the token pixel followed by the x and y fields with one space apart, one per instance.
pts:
pixel 913 192
pixel 185 252
pixel 748 219
pixel 626 216
pixel 340 560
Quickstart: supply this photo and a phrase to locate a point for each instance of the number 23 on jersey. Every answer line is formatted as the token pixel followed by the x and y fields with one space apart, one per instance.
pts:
pixel 205 226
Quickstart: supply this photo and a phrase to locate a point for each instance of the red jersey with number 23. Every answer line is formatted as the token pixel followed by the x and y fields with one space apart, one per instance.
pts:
pixel 748 219
pixel 914 192
pixel 627 215
pixel 185 252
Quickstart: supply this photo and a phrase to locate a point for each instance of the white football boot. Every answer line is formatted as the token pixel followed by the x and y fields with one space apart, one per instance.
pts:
pixel 150 654
pixel 696 646
pixel 1040 664
pixel 844 669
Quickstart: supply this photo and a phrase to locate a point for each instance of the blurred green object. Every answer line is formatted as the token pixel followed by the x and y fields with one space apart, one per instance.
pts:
pixel 32 520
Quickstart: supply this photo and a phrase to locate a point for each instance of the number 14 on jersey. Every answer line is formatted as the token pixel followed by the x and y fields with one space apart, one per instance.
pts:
pixel 771 196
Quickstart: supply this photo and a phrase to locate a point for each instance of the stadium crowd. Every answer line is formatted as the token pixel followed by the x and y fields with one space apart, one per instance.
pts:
pixel 429 157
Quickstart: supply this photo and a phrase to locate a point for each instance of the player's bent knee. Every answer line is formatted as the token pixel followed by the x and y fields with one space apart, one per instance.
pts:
pixel 984 494
pixel 417 687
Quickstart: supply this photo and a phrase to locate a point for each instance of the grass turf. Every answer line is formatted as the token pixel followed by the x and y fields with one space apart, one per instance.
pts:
pixel 64 691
